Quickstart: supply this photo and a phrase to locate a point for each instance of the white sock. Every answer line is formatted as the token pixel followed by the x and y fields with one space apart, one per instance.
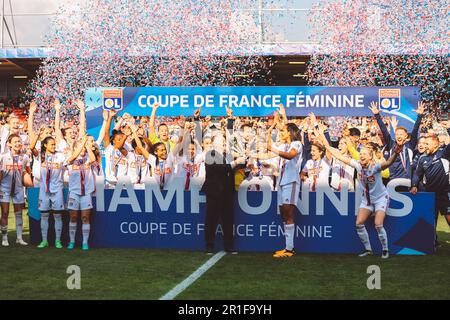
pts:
pixel 58 226
pixel 86 228
pixel 382 235
pixel 19 225
pixel 4 230
pixel 289 230
pixel 72 230
pixel 364 236
pixel 44 225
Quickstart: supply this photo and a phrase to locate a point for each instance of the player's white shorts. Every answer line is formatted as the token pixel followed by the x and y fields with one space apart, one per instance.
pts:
pixel 288 194
pixel 17 198
pixel 77 202
pixel 380 204
pixel 51 201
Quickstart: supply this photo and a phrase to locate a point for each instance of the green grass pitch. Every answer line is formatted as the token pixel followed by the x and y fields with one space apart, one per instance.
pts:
pixel 30 273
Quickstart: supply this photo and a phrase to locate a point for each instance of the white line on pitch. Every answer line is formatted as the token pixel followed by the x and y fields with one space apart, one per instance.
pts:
pixel 179 288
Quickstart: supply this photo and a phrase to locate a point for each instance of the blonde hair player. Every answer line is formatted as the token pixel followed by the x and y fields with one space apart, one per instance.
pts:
pixel 375 198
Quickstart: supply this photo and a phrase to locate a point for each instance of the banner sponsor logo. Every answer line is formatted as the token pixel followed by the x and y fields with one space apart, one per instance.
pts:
pixel 113 99
pixel 389 99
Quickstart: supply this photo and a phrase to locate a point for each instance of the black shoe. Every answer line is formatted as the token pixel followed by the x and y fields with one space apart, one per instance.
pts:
pixel 231 252
pixel 209 251
pixel 366 253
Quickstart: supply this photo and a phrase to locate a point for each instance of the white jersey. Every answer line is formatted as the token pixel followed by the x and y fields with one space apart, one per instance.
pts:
pixel 318 173
pixel 370 185
pixel 117 164
pixel 64 147
pixel 140 171
pixel 52 171
pixel 289 170
pixel 36 167
pixel 341 174
pixel 12 168
pixel 163 171
pixel 81 177
pixel 188 169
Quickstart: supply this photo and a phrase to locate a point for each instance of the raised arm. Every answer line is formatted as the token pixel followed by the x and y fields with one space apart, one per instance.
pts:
pixel 82 129
pixel 330 150
pixel 136 138
pixel 31 134
pixel 338 155
pixel 282 112
pixel 151 128
pixel 183 140
pixel 420 111
pixel 34 141
pixel 319 133
pixel 58 132
pixel 108 128
pixel 387 137
pixel 101 134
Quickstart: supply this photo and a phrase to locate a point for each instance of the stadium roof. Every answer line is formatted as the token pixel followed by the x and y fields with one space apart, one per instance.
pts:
pixel 26 22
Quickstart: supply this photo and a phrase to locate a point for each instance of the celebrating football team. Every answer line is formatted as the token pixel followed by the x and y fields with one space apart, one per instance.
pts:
pixel 288 154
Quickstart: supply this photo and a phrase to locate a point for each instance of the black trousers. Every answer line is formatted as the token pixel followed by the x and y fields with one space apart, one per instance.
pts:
pixel 219 209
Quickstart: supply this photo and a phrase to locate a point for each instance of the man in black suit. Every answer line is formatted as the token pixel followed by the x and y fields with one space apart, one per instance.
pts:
pixel 219 190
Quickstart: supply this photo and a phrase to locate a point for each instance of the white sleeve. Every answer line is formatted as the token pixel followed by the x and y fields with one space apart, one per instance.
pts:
pixel 151 160
pixel 355 164
pixel 297 146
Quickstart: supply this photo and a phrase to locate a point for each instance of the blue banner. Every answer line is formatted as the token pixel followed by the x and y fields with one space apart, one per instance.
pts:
pixel 253 101
pixel 325 222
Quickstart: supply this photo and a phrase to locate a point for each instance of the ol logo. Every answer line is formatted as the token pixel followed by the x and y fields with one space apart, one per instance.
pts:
pixel 113 99
pixel 389 99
